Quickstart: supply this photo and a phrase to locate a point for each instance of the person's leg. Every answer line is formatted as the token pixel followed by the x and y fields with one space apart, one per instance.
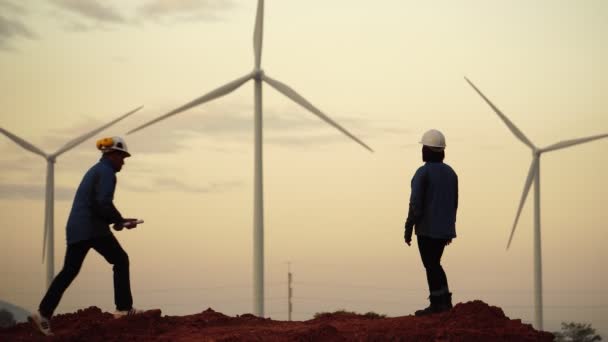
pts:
pixel 428 254
pixel 440 289
pixel 431 251
pixel 440 278
pixel 111 250
pixel 74 256
pixel 443 280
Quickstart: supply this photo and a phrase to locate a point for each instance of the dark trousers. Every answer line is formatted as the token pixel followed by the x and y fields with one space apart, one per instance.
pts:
pixel 431 251
pixel 111 250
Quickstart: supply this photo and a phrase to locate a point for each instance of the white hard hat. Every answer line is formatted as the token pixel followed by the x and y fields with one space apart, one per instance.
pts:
pixel 106 145
pixel 433 138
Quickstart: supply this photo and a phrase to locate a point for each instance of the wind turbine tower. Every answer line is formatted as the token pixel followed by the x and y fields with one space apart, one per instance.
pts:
pixel 258 76
pixel 534 177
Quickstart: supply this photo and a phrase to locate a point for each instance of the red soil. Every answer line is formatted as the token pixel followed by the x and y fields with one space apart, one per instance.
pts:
pixel 472 321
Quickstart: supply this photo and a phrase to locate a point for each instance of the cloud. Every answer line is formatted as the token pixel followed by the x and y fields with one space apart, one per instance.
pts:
pixel 56 139
pixel 33 192
pixel 91 9
pixel 185 9
pixel 37 191
pixel 76 26
pixel 13 29
pixel 21 164
pixel 221 127
pixel 12 7
pixel 151 10
pixel 171 184
pixel 236 126
pixel 306 140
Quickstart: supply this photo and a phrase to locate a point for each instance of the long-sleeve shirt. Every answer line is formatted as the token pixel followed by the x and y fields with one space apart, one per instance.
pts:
pixel 433 202
pixel 93 209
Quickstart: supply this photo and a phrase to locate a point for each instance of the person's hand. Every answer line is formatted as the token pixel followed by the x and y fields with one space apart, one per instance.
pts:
pixel 448 242
pixel 128 223
pixel 407 237
pixel 407 234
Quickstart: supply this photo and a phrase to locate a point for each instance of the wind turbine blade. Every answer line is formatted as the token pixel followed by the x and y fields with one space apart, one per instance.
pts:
pixel 290 93
pixel 529 180
pixel 75 142
pixel 26 145
pixel 508 122
pixel 572 142
pixel 218 92
pixel 258 34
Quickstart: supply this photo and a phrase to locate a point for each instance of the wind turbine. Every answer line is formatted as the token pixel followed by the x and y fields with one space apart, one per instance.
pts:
pixel 534 176
pixel 48 247
pixel 258 76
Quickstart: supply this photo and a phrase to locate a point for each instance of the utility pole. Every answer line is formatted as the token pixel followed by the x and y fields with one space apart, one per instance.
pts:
pixel 289 292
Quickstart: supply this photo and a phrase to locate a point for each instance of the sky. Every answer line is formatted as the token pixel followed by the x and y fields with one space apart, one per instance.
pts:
pixel 386 71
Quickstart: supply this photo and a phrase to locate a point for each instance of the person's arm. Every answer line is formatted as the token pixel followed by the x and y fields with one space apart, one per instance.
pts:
pixel 104 196
pixel 449 241
pixel 456 205
pixel 416 207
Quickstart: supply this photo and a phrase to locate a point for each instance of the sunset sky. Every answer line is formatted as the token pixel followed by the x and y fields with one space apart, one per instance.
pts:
pixel 387 71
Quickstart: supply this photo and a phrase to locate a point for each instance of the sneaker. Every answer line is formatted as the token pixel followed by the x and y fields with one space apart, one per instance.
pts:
pixel 41 323
pixel 435 307
pixel 124 313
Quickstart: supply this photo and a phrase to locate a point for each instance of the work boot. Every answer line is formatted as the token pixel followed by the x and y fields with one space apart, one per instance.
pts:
pixel 41 323
pixel 436 306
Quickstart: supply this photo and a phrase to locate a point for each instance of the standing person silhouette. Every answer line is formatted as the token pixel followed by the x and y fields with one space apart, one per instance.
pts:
pixel 432 211
pixel 92 212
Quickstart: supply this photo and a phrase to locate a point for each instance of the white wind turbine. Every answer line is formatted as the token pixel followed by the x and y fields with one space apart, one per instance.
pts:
pixel 258 76
pixel 48 246
pixel 534 176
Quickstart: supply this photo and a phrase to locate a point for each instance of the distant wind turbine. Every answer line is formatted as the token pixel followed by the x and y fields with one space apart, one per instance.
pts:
pixel 48 246
pixel 534 176
pixel 258 76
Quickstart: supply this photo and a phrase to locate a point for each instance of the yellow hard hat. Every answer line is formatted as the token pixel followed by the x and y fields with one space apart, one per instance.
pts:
pixel 106 145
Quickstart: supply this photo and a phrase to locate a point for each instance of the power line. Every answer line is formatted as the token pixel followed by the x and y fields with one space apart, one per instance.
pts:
pixel 463 291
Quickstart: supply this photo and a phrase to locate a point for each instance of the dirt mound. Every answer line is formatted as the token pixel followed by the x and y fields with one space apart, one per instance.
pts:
pixel 472 321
